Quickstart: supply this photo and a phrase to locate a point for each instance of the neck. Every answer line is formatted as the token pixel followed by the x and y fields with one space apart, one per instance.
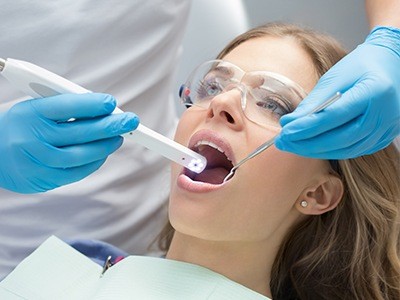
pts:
pixel 248 264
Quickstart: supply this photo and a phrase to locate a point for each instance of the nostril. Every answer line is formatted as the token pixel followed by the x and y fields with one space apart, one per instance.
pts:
pixel 228 117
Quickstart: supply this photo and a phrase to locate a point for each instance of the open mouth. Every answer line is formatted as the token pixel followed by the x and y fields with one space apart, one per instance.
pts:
pixel 218 163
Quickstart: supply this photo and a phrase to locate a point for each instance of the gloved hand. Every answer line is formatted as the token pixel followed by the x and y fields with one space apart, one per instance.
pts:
pixel 40 151
pixel 366 118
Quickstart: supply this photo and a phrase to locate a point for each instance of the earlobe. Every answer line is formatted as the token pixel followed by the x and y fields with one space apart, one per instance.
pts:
pixel 322 197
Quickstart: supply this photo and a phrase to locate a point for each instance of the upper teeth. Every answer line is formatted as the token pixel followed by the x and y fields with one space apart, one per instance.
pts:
pixel 211 144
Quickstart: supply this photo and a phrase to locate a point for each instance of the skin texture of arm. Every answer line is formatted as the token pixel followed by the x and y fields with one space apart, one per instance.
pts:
pixel 383 13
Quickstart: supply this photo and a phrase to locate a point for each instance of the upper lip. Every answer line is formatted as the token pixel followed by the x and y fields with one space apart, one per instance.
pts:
pixel 207 136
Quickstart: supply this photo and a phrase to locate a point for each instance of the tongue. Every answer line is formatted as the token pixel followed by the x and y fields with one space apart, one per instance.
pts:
pixel 213 176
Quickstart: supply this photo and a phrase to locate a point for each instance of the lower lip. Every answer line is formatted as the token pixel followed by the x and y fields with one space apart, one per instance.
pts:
pixel 185 183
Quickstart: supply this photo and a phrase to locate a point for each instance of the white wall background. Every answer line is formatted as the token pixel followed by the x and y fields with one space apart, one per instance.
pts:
pixel 344 19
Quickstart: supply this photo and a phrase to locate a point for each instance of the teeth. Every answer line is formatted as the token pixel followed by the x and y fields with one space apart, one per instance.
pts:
pixel 211 144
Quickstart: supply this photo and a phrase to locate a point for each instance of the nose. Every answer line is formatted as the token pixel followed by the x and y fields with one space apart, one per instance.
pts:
pixel 227 108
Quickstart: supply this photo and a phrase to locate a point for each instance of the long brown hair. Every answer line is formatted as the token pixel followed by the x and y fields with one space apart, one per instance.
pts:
pixel 351 252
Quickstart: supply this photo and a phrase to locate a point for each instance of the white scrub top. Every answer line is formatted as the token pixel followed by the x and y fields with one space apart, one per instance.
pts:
pixel 129 49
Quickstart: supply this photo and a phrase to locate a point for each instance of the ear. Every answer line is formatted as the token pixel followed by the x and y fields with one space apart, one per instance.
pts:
pixel 321 197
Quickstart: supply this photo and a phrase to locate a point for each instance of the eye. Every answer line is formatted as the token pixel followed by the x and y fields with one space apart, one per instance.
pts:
pixel 272 106
pixel 208 88
pixel 273 103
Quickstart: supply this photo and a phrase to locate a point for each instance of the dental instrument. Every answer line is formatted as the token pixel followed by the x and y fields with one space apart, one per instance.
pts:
pixel 38 83
pixel 271 141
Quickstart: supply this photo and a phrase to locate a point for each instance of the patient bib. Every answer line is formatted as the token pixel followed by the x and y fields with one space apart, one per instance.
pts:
pixel 57 271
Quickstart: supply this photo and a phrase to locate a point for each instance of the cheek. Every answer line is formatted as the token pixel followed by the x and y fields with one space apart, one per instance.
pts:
pixel 274 183
pixel 281 176
pixel 184 129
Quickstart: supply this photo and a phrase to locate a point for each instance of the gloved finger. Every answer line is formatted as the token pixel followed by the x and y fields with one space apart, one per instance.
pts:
pixel 354 139
pixel 75 155
pixel 352 105
pixel 61 176
pixel 319 146
pixel 355 150
pixel 78 173
pixel 88 130
pixel 385 140
pixel 66 106
pixel 324 145
pixel 311 126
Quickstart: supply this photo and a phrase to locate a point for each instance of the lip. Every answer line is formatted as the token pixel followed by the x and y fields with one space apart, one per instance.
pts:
pixel 214 137
pixel 184 182
pixel 187 184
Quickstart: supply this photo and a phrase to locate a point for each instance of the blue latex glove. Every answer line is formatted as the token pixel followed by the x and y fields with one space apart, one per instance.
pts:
pixel 40 151
pixel 366 118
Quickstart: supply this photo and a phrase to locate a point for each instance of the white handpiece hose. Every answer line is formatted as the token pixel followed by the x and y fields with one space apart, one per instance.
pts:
pixel 38 82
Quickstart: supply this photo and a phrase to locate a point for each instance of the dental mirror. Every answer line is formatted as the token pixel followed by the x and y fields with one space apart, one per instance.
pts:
pixel 271 141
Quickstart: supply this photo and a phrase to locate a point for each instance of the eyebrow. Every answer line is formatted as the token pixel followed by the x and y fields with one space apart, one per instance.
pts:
pixel 226 72
pixel 287 100
pixel 283 89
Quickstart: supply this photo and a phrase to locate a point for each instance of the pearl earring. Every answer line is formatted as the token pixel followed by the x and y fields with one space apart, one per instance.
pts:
pixel 303 203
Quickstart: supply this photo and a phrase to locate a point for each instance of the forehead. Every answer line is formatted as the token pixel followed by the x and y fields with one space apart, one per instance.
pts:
pixel 279 55
pixel 261 80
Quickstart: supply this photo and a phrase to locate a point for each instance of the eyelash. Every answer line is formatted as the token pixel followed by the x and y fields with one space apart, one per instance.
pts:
pixel 275 99
pixel 204 86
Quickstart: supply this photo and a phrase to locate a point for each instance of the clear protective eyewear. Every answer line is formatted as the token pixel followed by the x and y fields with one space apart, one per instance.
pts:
pixel 265 96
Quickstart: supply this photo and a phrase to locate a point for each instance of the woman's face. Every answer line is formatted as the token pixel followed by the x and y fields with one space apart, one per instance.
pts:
pixel 262 200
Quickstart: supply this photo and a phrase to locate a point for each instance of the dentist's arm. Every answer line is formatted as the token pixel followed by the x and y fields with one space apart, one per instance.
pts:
pixel 40 151
pixel 383 13
pixel 367 117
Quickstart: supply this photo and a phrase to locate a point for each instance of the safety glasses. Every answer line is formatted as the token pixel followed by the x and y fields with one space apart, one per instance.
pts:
pixel 264 96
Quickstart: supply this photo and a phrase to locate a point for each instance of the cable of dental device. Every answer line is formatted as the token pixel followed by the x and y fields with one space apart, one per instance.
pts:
pixel 271 141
